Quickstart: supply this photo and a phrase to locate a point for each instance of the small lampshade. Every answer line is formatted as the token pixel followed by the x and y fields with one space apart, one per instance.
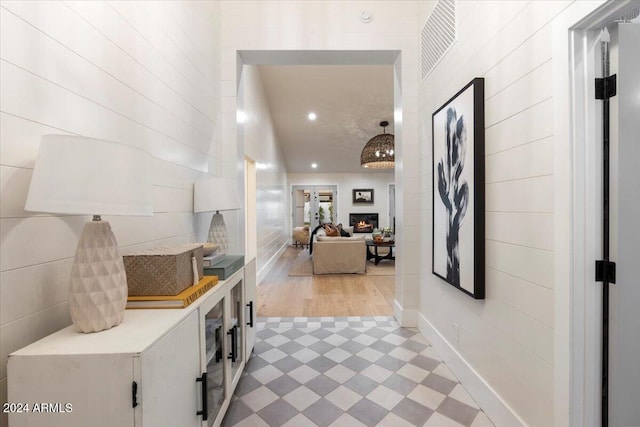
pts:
pixel 216 194
pixel 87 176
pixel 79 175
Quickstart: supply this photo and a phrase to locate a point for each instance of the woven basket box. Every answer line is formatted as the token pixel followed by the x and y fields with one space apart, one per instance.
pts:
pixel 163 270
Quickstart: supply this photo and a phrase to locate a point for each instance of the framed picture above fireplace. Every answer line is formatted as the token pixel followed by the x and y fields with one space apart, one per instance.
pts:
pixel 458 190
pixel 363 196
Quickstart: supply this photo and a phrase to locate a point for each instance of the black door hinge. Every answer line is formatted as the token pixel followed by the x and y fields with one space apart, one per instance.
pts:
pixel 134 394
pixel 606 270
pixel 606 87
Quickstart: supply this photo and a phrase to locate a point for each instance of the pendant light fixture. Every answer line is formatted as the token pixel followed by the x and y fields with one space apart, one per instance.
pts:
pixel 379 153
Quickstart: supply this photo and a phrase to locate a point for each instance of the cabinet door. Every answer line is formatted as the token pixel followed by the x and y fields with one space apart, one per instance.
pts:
pixel 236 330
pixel 212 315
pixel 170 395
pixel 250 307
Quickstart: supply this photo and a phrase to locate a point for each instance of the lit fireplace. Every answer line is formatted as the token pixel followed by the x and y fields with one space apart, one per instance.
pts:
pixel 363 222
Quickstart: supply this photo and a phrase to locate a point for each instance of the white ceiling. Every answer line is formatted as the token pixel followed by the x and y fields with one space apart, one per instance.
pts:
pixel 350 102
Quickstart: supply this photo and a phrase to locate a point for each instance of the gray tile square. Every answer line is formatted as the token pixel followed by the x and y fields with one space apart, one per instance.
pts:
pixel 325 325
pixel 322 413
pixel 382 346
pixel 321 364
pixel 261 347
pixel 356 325
pixel 412 411
pixel 438 383
pixel 349 333
pixel 321 347
pixel 352 347
pixel 320 333
pixel 400 384
pixel 299 324
pixel 264 334
pixel 255 363
pixel 282 385
pixel 361 384
pixel 424 362
pixel 376 332
pixel 277 413
pixel 458 411
pixel 287 364
pixel 413 345
pixel 390 363
pixel 356 363
pixel 313 319
pixel 292 334
pixel 236 412
pixel 246 385
pixel 367 412
pixel 404 332
pixel 290 347
pixel 322 385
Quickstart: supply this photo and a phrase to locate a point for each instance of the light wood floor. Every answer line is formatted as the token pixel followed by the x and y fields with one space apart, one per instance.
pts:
pixel 280 295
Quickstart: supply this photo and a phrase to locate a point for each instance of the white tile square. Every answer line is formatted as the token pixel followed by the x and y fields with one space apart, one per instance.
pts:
pixel 339 373
pixel 430 352
pixel 370 354
pixel 326 319
pixel 343 398
pixel 482 421
pixel 426 396
pixel 259 398
pixel 381 318
pixel 444 371
pixel 300 319
pixel 365 339
pixel 253 420
pixel 272 355
pixel 394 339
pixel 305 355
pixel 419 338
pixel 403 354
pixel 335 340
pixel 273 319
pixel 314 325
pixel 303 373
pixel 301 398
pixel 337 355
pixel 413 373
pixel 369 324
pixel 353 319
pixel 277 340
pixel 342 325
pixel 306 340
pixel 286 325
pixel 346 420
pixel 267 374
pixel 377 373
pixel 385 397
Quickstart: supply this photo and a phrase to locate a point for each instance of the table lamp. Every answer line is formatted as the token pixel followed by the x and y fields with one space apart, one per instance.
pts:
pixel 216 194
pixel 86 176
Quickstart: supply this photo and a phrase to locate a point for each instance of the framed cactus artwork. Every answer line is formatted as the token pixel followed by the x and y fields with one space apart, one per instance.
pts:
pixel 458 254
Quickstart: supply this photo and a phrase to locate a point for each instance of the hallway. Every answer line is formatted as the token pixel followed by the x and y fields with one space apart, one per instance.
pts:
pixel 347 371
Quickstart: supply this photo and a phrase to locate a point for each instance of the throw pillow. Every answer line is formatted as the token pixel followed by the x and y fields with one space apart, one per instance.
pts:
pixel 342 231
pixel 330 230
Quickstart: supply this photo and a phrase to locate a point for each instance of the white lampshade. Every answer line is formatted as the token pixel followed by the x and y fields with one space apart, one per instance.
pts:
pixel 216 194
pixel 78 175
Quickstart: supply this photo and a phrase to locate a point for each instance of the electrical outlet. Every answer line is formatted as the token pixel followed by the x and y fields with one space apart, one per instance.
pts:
pixel 456 332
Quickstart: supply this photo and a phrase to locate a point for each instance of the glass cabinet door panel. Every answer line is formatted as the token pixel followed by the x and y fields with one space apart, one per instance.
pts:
pixel 214 337
pixel 236 355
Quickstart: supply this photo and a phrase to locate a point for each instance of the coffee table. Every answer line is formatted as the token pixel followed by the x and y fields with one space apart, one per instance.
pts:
pixel 372 251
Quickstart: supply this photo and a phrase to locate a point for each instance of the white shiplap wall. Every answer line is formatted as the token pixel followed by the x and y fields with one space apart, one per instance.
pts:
pixel 141 73
pixel 261 145
pixel 508 338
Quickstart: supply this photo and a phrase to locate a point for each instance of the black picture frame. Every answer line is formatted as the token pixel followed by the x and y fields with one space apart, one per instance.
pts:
pixel 362 196
pixel 458 196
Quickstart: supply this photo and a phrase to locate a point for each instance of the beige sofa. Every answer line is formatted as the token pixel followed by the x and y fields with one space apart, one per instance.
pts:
pixel 334 255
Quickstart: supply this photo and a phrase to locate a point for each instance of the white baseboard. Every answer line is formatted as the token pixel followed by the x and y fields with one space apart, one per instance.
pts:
pixel 408 318
pixel 492 404
pixel 269 265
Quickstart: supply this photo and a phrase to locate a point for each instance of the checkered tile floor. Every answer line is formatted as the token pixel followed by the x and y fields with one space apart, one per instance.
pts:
pixel 347 371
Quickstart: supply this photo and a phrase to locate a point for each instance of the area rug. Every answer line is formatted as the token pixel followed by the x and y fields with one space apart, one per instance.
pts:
pixel 302 266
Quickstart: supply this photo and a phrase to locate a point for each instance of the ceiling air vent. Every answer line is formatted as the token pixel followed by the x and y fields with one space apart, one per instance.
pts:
pixel 438 35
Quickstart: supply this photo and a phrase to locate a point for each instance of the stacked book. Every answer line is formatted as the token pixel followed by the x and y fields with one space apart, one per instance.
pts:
pixel 180 300
pixel 211 260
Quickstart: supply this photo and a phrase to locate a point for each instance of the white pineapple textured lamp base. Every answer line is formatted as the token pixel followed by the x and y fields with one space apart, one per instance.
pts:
pixel 218 233
pixel 98 290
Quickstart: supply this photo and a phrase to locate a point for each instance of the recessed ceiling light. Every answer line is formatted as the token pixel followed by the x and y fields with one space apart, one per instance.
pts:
pixel 312 116
pixel 314 165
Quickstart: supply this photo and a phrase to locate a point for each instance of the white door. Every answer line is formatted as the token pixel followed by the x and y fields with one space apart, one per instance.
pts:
pixel 314 204
pixel 624 358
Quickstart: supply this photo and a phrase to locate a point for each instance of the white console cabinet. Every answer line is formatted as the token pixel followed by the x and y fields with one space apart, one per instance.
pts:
pixel 158 368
